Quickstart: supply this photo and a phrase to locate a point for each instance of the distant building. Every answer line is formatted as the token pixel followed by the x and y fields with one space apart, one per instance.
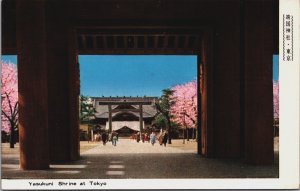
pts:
pixel 125 115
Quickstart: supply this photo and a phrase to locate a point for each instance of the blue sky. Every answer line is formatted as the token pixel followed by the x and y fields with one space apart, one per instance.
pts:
pixel 275 67
pixel 135 75
pixel 9 58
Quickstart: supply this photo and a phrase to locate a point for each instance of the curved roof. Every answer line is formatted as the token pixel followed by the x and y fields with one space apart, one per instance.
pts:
pixel 102 110
pixel 105 114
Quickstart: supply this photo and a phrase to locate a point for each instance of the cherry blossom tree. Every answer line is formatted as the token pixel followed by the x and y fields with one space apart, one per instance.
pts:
pixel 276 98
pixel 9 100
pixel 184 109
pixel 276 107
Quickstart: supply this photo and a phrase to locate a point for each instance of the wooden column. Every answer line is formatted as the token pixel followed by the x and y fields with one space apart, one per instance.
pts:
pixel 109 118
pixel 62 93
pixel 258 82
pixel 199 106
pixel 206 112
pixel 32 82
pixel 141 120
pixel 74 91
pixel 223 85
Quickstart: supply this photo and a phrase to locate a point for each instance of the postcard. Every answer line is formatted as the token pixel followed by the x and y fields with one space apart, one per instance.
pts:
pixel 156 94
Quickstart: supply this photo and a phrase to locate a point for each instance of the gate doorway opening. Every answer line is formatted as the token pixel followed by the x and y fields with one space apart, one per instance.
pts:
pixel 135 95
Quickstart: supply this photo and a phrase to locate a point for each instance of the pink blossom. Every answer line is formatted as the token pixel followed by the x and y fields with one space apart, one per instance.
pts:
pixel 184 109
pixel 9 92
pixel 276 99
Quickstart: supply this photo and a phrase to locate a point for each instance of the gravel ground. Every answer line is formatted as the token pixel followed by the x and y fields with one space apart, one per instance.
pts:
pixel 141 160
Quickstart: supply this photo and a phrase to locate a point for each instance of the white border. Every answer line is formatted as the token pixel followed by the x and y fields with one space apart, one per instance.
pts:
pixel 289 100
pixel 154 184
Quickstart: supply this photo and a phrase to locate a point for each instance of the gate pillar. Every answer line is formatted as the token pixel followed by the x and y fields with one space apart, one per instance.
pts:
pixel 62 92
pixel 258 82
pixel 32 82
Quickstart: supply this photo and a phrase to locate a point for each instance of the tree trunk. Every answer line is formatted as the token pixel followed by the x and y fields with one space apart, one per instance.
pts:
pixel 169 130
pixel 187 134
pixel 193 135
pixel 89 134
pixel 12 137
pixel 183 140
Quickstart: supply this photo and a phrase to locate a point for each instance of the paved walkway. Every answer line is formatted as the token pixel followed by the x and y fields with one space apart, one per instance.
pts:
pixel 141 160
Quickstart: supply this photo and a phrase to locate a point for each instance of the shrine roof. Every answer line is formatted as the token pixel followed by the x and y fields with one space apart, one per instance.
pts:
pixel 102 110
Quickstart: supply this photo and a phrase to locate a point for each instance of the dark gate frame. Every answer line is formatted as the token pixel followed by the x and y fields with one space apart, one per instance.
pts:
pixel 204 53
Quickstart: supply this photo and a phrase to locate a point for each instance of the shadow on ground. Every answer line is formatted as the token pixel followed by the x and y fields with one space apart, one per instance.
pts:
pixel 150 165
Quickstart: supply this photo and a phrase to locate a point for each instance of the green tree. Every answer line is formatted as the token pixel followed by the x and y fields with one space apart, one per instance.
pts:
pixel 163 106
pixel 87 110
pixel 160 121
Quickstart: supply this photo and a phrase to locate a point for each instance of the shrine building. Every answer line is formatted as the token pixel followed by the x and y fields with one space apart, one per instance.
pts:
pixel 125 115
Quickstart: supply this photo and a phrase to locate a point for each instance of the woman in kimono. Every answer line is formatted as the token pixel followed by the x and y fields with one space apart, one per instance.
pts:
pixel 152 138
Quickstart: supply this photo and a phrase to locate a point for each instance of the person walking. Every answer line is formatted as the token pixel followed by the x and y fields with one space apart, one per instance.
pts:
pixel 160 138
pixel 97 137
pixel 165 138
pixel 110 136
pixel 143 137
pixel 146 137
pixel 152 138
pixel 104 138
pixel 117 134
pixel 114 140
pixel 138 138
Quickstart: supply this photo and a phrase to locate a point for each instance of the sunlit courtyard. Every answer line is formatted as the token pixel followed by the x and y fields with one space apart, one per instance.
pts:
pixel 130 159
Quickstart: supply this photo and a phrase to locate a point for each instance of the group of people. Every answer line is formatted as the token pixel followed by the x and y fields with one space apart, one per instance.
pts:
pixel 105 137
pixel 162 137
pixel 141 137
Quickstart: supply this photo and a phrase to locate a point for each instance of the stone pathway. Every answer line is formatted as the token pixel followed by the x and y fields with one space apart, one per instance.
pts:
pixel 141 160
